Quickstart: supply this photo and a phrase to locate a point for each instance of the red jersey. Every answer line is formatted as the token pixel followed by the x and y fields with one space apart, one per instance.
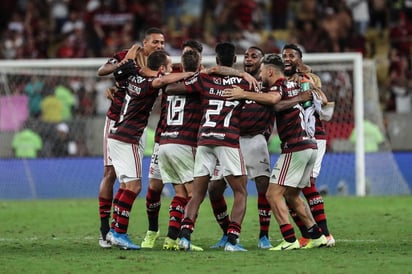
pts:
pixel 290 122
pixel 257 119
pixel 136 109
pixel 161 124
pixel 113 112
pixel 220 124
pixel 182 120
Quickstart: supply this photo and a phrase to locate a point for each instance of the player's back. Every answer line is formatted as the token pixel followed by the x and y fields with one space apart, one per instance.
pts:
pixel 220 123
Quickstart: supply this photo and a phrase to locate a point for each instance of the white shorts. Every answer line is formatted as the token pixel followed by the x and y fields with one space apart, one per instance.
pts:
pixel 108 125
pixel 176 163
pixel 154 170
pixel 230 159
pixel 294 169
pixel 256 154
pixel 127 159
pixel 319 158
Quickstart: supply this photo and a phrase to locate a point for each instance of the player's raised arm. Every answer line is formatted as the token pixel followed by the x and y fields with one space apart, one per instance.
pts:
pixel 236 93
pixel 229 71
pixel 171 78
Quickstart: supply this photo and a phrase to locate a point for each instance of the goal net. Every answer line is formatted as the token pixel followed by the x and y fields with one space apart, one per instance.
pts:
pixel 26 84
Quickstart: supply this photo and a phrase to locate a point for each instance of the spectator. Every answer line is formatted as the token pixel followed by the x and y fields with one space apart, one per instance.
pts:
pixel 27 143
pixel 372 134
pixel 62 145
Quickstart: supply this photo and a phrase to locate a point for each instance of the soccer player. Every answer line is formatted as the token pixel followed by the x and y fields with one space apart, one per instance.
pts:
pixel 153 40
pixel 257 122
pixel 292 171
pixel 218 140
pixel 124 143
pixel 177 149
pixel 294 68
pixel 155 188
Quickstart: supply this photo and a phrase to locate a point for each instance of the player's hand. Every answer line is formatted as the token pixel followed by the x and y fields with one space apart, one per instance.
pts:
pixel 305 96
pixel 132 52
pixel 253 83
pixel 234 93
pixel 109 93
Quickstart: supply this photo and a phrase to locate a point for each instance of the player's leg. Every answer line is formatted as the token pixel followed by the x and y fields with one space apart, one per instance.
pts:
pixel 105 195
pixel 105 203
pixel 262 183
pixel 153 200
pixel 127 162
pixel 216 190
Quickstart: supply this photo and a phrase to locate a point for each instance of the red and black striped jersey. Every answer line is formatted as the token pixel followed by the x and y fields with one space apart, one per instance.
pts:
pixel 115 107
pixel 183 117
pixel 220 124
pixel 290 122
pixel 256 119
pixel 134 116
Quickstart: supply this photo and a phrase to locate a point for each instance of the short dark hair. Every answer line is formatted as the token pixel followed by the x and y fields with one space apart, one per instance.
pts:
pixel 274 60
pixel 191 60
pixel 194 44
pixel 294 47
pixel 152 30
pixel 156 59
pixel 225 52
pixel 258 49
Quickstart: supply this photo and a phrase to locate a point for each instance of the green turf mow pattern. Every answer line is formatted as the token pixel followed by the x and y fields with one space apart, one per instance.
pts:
pixel 373 235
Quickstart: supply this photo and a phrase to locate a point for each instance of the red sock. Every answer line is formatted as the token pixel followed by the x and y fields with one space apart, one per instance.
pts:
pixel 264 214
pixel 176 214
pixel 153 208
pixel 316 204
pixel 125 207
pixel 288 233
pixel 233 232
pixel 219 207
pixel 302 228
pixel 115 207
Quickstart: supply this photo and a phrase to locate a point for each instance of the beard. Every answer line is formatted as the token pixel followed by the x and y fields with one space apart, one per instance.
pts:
pixel 291 71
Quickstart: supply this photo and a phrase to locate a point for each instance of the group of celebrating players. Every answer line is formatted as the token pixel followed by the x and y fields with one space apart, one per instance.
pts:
pixel 212 132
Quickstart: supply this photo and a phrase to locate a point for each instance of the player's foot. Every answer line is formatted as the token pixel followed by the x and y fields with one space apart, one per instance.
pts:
pixel 186 245
pixel 303 241
pixel 123 242
pixel 284 245
pixel 330 241
pixel 233 248
pixel 106 242
pixel 264 243
pixel 150 239
pixel 170 244
pixel 221 243
pixel 319 242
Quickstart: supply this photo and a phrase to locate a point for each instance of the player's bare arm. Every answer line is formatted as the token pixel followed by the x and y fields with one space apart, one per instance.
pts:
pixel 176 88
pixel 229 71
pixel 302 97
pixel 236 93
pixel 170 78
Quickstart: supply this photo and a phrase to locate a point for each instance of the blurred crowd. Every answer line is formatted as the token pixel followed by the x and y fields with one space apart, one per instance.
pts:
pixel 38 29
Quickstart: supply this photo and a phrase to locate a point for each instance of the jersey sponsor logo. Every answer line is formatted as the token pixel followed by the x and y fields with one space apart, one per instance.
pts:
pixel 191 81
pixel 172 134
pixel 135 89
pixel 217 81
pixel 216 135
pixel 138 79
pixel 232 80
